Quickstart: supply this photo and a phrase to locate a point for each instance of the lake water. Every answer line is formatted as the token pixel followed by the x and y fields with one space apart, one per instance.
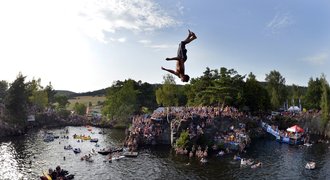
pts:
pixel 280 161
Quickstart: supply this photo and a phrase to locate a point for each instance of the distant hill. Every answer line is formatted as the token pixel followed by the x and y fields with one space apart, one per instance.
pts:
pixel 100 92
pixel 65 93
pixel 70 94
pixel 103 92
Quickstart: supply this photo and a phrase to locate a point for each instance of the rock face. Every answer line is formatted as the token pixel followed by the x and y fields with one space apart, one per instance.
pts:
pixel 7 130
pixel 203 126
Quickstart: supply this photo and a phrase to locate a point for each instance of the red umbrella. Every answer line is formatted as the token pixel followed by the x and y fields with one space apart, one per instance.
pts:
pixel 295 128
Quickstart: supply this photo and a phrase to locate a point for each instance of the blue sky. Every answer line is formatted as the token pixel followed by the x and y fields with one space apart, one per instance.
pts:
pixel 85 45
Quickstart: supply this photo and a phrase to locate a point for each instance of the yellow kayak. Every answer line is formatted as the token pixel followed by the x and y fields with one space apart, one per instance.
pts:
pixel 47 176
pixel 86 138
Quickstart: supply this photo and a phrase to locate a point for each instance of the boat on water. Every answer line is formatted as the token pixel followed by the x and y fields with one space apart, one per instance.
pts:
pixel 246 162
pixel 64 175
pixel 46 176
pixel 293 135
pixel 108 151
pixel 76 150
pixel 104 152
pixel 310 165
pixel 117 149
pixel 130 154
pixel 48 139
pixel 82 137
pixel 117 158
pixel 69 147
pixel 94 140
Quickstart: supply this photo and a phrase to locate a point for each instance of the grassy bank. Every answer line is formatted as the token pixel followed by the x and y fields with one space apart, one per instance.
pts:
pixel 95 100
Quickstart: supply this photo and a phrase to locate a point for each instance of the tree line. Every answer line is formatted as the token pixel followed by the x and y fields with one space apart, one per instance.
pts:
pixel 215 87
pixel 23 98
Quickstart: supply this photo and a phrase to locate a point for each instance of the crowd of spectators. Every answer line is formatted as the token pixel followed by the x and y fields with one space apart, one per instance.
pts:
pixel 197 121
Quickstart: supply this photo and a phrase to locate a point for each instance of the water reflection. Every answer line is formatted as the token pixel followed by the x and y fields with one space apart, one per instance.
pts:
pixel 9 165
pixel 26 157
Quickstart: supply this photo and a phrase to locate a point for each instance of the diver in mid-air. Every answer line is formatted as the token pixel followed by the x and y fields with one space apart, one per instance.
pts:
pixel 181 58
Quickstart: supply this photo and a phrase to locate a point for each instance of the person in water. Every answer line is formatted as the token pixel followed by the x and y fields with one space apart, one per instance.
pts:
pixel 181 58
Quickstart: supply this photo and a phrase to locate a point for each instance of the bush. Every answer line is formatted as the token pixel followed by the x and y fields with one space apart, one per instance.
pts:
pixel 183 140
pixel 63 113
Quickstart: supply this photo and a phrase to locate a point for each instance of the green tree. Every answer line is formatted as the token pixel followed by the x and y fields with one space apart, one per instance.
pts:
pixel 167 94
pixel 228 89
pixel 16 100
pixel 62 101
pixel 146 98
pixel 275 99
pixel 256 96
pixel 38 98
pixel 3 90
pixel 182 95
pixel 195 90
pixel 312 97
pixel 50 94
pixel 276 88
pixel 324 101
pixel 80 108
pixel 183 140
pixel 121 102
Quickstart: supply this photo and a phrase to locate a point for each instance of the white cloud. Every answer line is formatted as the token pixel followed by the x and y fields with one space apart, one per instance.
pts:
pixel 318 59
pixel 162 46
pixel 121 40
pixel 144 41
pixel 100 16
pixel 180 7
pixel 279 22
pixel 149 44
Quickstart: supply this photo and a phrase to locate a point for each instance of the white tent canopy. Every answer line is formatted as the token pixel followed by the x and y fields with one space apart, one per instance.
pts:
pixel 294 109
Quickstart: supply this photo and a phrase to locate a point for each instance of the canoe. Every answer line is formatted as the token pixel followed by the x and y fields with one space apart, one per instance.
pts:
pixel 117 158
pixel 106 152
pixel 94 140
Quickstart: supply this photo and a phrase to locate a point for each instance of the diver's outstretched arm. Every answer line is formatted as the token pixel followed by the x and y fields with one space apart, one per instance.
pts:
pixel 173 58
